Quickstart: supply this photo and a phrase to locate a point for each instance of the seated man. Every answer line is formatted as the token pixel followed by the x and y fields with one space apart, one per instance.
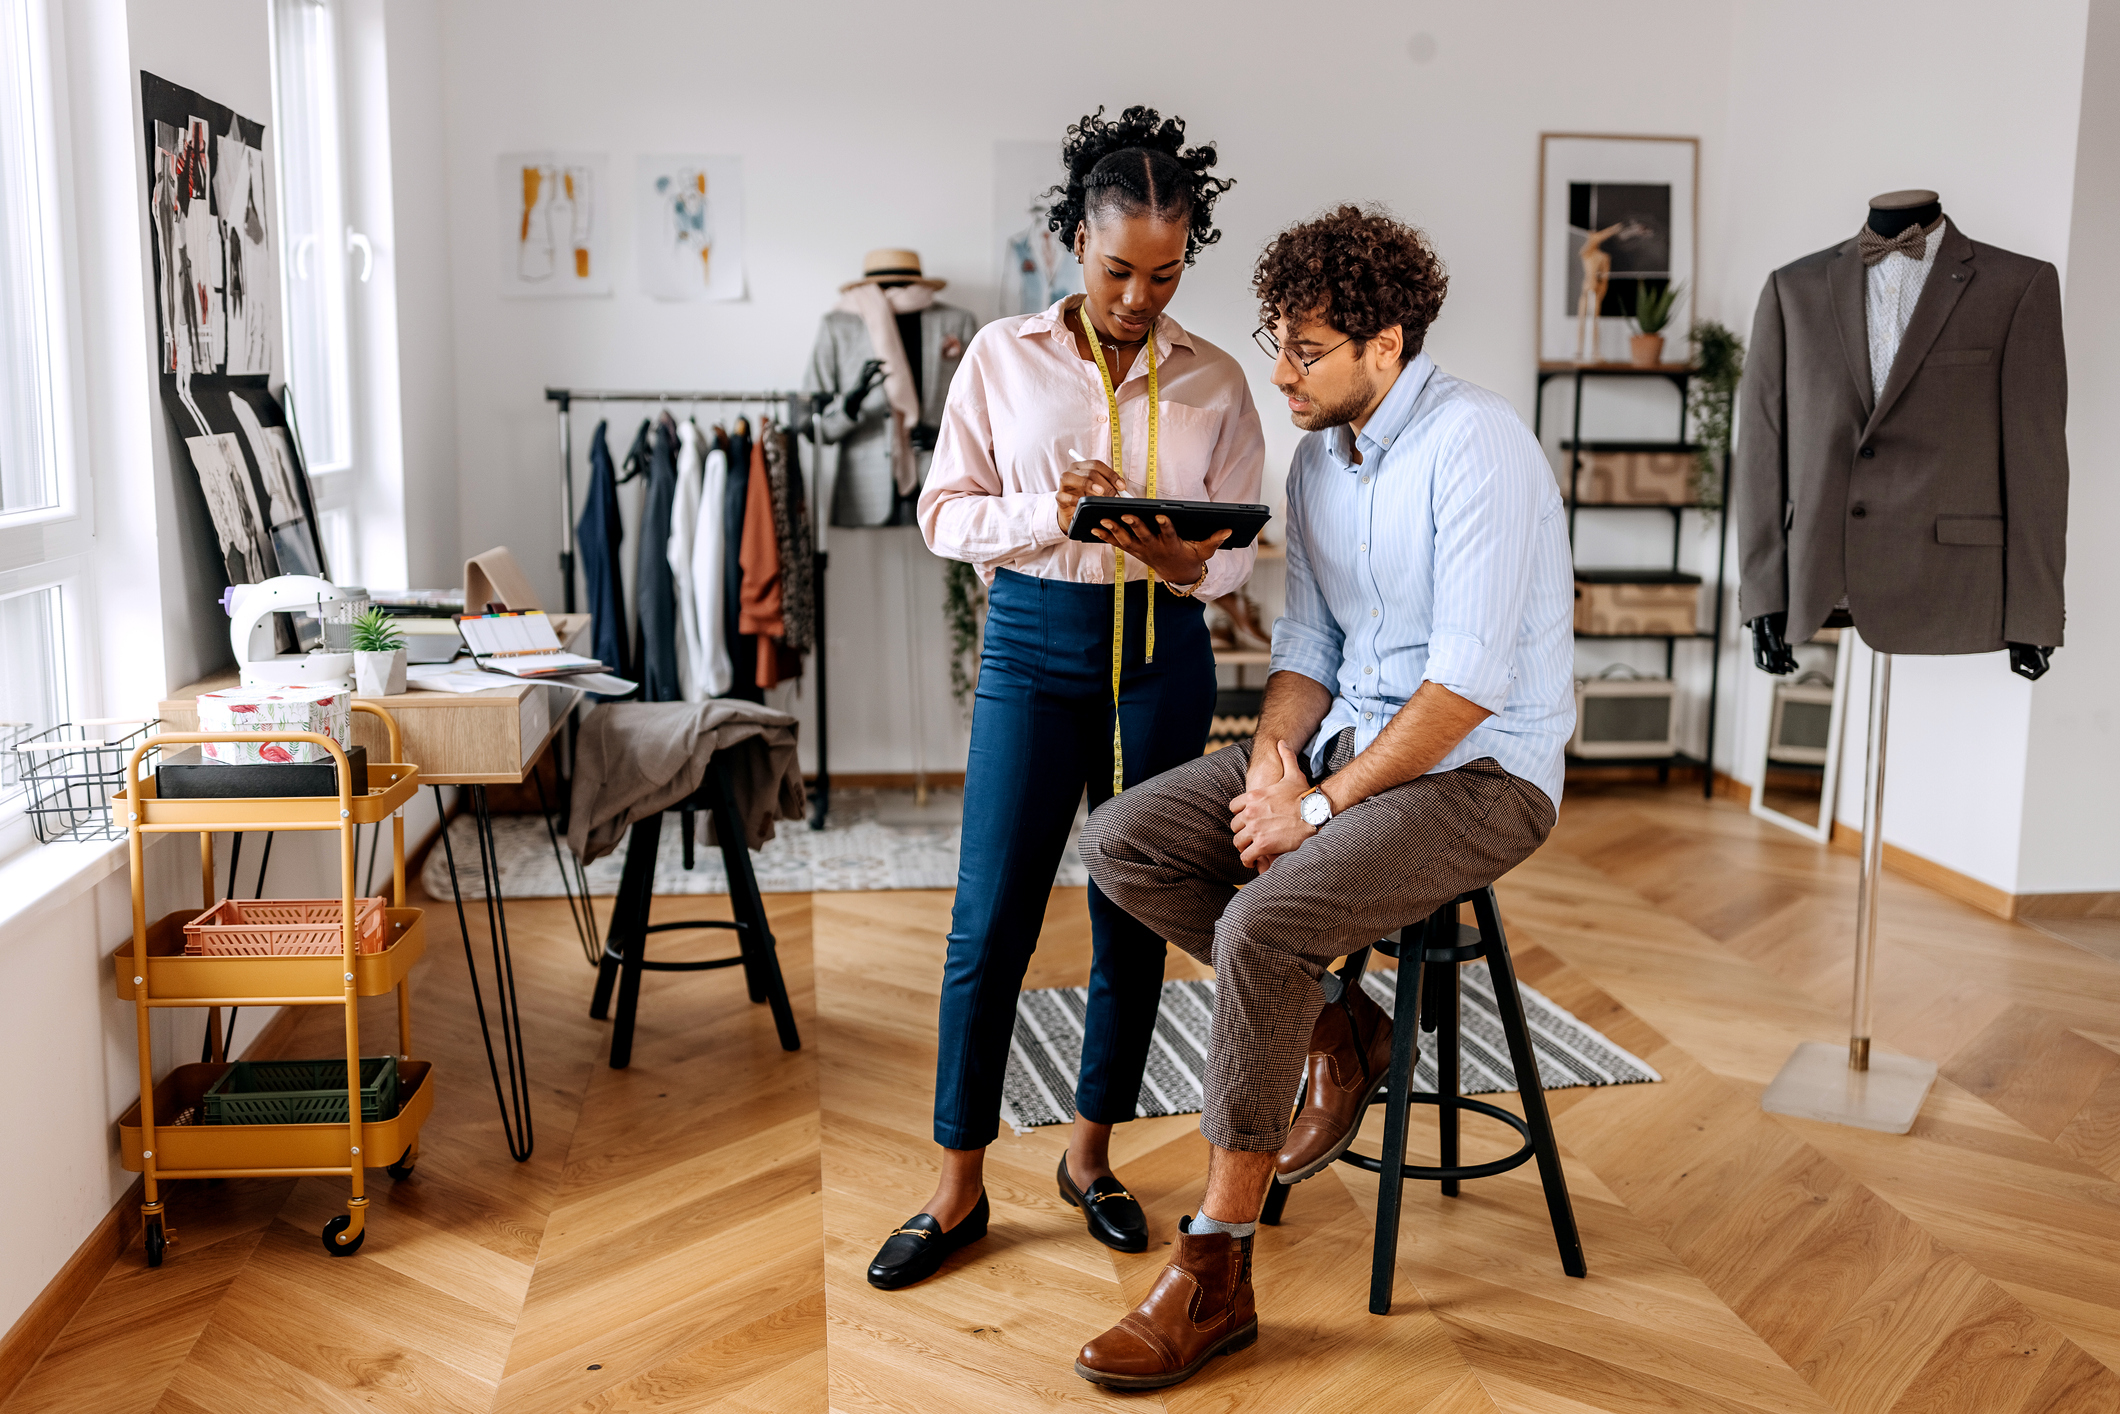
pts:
pixel 1422 678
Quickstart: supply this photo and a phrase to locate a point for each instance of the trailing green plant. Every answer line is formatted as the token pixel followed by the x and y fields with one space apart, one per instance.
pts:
pixel 1711 403
pixel 1655 301
pixel 376 632
pixel 964 597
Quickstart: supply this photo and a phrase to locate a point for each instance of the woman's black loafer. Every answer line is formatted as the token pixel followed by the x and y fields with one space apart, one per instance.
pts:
pixel 1114 1218
pixel 917 1250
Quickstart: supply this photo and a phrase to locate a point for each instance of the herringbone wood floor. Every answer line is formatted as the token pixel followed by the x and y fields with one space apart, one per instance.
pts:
pixel 691 1233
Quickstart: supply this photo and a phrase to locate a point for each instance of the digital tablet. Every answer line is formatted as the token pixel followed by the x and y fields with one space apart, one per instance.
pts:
pixel 1193 520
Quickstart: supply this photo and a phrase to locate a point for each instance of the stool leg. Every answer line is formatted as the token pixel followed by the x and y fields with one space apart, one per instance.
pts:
pixel 1510 1003
pixel 1277 1191
pixel 1443 980
pixel 647 834
pixel 1406 1005
pixel 629 916
pixel 761 961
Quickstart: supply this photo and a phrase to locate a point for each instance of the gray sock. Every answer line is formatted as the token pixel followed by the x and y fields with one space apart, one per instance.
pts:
pixel 1200 1222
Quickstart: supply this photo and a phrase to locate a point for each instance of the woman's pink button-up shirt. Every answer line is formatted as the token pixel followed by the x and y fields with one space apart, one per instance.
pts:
pixel 1023 397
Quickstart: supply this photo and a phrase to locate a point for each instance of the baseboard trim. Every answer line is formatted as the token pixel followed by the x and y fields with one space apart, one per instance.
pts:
pixel 1927 872
pixel 65 1294
pixel 2105 905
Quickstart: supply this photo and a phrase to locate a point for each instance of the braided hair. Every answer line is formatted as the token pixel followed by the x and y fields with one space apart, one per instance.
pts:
pixel 1137 163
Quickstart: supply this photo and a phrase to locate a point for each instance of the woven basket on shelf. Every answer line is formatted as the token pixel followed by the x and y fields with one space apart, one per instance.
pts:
pixel 283 927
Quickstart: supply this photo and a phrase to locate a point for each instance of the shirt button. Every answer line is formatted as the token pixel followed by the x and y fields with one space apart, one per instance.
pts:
pixel 1372 613
pixel 1366 671
pixel 1366 716
pixel 1365 481
pixel 1363 547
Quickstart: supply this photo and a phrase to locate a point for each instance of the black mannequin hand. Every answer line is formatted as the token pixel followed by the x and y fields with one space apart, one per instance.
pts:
pixel 871 376
pixel 2030 662
pixel 1770 645
pixel 922 436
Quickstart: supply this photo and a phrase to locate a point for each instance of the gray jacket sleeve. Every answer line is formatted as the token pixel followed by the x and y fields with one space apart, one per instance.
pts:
pixel 832 365
pixel 1760 496
pixel 2035 465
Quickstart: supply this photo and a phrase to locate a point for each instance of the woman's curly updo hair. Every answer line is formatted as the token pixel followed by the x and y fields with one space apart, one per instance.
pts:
pixel 1359 271
pixel 1137 164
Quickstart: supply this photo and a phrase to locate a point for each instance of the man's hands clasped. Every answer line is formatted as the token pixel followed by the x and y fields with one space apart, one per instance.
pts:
pixel 1175 559
pixel 1267 819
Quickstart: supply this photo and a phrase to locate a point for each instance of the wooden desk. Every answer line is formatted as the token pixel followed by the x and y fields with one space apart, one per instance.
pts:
pixel 455 738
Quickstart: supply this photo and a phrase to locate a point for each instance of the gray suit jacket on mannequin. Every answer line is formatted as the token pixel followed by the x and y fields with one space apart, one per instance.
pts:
pixel 865 493
pixel 1940 512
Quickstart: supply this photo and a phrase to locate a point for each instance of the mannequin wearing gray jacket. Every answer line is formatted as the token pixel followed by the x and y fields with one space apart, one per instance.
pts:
pixel 865 493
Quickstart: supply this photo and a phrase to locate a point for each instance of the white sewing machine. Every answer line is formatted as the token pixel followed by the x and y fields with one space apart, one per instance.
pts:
pixel 250 632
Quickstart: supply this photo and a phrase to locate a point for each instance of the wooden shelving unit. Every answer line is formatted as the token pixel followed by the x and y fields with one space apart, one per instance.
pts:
pixel 1680 377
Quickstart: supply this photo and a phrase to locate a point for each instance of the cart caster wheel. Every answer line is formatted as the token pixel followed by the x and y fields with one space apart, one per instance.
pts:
pixel 332 1230
pixel 406 1162
pixel 155 1242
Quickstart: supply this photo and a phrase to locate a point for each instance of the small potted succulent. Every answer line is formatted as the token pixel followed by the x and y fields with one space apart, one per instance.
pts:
pixel 1655 301
pixel 378 655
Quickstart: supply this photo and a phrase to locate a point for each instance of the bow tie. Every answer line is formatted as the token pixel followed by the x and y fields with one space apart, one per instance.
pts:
pixel 1912 243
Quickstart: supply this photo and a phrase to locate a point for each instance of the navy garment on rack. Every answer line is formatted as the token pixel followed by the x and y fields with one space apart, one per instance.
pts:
pixel 653 582
pixel 743 647
pixel 598 536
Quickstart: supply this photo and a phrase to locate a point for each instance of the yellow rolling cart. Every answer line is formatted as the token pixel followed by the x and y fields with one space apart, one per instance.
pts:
pixel 158 1135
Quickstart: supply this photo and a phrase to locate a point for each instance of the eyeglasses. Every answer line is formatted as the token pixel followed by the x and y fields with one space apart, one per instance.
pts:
pixel 1271 347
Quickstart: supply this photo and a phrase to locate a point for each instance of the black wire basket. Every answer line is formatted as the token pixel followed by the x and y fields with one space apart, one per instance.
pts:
pixel 68 773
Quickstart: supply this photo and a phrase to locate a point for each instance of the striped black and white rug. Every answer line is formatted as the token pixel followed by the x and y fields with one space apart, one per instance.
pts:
pixel 1046 1052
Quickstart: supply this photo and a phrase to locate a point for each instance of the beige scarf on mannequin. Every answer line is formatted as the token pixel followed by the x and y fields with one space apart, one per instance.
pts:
pixel 879 309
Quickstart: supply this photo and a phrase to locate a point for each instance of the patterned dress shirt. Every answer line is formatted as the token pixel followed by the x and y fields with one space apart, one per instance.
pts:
pixel 1441 556
pixel 1893 289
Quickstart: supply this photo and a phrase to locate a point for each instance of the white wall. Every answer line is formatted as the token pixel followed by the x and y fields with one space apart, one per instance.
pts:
pixel 2072 774
pixel 857 134
pixel 1946 96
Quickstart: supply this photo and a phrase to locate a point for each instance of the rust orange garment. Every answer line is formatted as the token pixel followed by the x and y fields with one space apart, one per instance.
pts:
pixel 758 604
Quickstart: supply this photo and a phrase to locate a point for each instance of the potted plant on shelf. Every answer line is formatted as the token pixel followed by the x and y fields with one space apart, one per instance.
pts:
pixel 378 655
pixel 1655 301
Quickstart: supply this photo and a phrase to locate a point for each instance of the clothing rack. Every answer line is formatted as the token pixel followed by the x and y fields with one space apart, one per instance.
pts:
pixel 798 418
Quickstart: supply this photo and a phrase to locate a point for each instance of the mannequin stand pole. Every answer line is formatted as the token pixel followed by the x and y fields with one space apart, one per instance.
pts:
pixel 1859 1087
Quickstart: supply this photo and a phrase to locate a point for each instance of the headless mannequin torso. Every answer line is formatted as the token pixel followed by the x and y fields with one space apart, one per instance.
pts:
pixel 1890 214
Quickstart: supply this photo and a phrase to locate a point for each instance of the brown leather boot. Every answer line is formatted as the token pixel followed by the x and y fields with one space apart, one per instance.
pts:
pixel 1201 1307
pixel 1350 1058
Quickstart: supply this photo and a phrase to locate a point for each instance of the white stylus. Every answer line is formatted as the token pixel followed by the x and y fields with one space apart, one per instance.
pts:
pixel 1080 458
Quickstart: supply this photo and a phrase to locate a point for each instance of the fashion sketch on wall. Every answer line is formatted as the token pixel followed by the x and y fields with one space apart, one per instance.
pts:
pixel 1034 269
pixel 1615 214
pixel 690 220
pixel 216 285
pixel 554 224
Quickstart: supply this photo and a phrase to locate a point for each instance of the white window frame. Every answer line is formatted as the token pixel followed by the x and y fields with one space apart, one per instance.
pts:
pixel 48 547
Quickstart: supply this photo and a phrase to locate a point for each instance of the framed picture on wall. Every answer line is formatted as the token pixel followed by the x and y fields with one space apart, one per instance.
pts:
pixel 1616 215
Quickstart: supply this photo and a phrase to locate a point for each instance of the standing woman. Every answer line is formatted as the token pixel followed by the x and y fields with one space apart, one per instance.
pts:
pixel 1161 412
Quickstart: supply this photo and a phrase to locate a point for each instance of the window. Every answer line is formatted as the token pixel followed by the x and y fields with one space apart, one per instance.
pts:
pixel 41 532
pixel 314 236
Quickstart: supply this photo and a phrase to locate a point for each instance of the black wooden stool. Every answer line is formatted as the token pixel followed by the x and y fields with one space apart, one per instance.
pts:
pixel 626 944
pixel 1429 954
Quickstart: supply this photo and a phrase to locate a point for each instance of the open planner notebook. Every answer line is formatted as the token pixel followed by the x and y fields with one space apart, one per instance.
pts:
pixel 523 645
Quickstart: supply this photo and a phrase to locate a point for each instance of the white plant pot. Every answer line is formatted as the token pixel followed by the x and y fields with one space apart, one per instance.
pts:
pixel 379 674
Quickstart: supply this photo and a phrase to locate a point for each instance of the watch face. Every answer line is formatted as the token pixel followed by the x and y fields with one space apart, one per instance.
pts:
pixel 1316 808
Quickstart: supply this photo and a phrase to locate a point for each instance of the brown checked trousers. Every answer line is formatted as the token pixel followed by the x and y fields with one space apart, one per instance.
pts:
pixel 1163 852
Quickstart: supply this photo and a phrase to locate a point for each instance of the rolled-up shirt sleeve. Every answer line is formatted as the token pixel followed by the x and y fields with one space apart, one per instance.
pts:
pixel 1486 509
pixel 1306 638
pixel 1234 474
pixel 964 511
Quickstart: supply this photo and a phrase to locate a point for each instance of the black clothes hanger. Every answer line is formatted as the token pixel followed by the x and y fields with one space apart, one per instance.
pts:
pixel 636 462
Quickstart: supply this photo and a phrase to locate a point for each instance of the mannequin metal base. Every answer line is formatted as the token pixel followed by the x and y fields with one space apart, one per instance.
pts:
pixel 1817 1083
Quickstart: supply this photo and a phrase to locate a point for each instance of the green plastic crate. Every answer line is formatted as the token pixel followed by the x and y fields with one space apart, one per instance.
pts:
pixel 300 1092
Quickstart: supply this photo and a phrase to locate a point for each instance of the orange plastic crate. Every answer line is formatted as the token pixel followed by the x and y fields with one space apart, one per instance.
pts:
pixel 283 927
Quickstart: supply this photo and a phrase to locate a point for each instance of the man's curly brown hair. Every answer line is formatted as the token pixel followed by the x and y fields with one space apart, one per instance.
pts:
pixel 1359 271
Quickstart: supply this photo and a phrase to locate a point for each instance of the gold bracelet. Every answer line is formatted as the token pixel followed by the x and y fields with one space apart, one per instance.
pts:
pixel 1189 590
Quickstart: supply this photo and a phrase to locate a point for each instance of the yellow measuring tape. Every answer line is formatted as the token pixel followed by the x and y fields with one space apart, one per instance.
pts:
pixel 1111 402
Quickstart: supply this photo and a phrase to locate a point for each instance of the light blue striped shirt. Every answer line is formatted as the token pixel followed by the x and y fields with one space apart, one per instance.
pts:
pixel 1441 557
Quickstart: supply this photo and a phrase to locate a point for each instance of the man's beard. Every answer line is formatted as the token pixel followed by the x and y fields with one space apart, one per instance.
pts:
pixel 1323 415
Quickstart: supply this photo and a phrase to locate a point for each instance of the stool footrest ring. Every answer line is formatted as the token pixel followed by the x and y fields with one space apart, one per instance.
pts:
pixel 1523 1155
pixel 651 965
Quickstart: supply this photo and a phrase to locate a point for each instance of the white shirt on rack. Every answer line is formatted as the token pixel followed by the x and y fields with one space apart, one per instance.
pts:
pixel 718 672
pixel 684 531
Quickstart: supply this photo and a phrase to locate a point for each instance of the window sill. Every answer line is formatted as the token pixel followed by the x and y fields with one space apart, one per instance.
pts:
pixel 45 876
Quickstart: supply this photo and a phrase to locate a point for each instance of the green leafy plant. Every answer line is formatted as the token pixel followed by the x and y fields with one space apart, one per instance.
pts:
pixel 1655 301
pixel 376 632
pixel 1711 403
pixel 963 598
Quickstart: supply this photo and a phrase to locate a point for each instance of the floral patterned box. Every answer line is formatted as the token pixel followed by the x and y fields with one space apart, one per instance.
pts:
pixel 328 711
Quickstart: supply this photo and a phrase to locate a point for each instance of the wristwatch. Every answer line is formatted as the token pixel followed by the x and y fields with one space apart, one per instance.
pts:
pixel 1315 809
